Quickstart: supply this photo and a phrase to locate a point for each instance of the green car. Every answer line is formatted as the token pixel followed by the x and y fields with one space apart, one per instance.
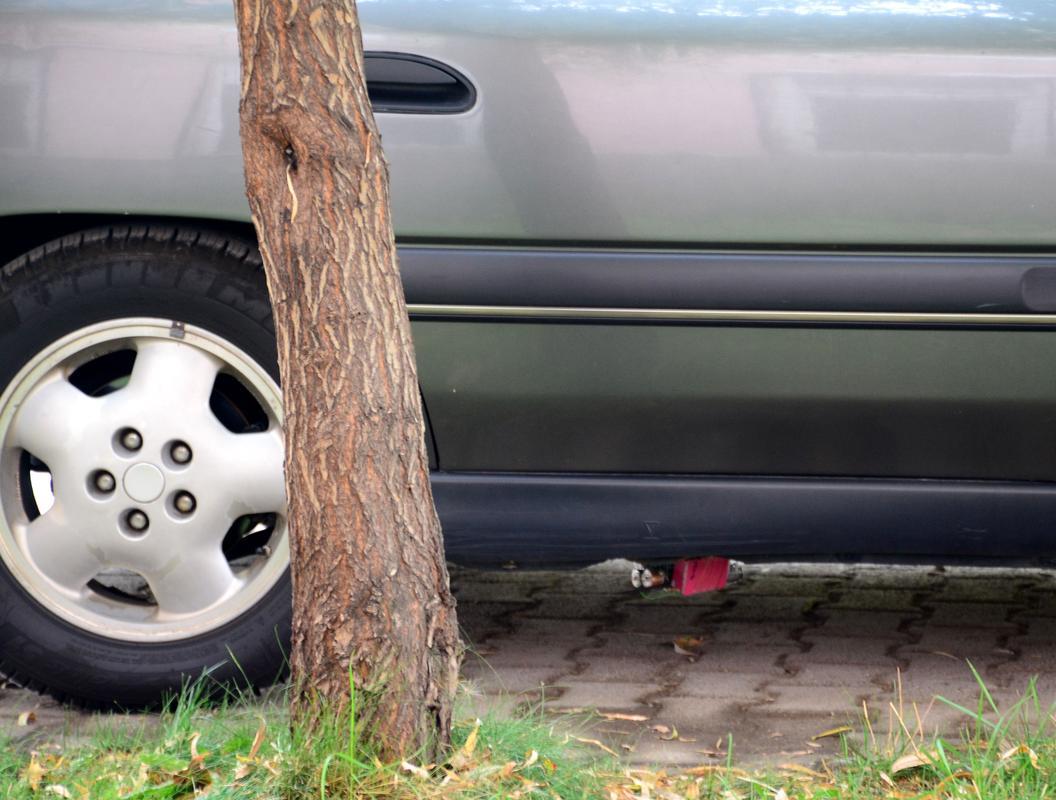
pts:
pixel 764 279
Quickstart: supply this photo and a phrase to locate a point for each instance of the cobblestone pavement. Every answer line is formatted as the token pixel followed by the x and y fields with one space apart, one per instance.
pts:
pixel 789 652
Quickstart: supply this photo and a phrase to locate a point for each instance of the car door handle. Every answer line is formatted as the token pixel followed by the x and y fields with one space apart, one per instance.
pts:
pixel 402 83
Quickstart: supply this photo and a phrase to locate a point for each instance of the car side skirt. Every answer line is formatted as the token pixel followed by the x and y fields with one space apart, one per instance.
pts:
pixel 495 519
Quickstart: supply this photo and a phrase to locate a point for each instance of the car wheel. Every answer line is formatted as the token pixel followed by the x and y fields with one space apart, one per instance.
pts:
pixel 142 509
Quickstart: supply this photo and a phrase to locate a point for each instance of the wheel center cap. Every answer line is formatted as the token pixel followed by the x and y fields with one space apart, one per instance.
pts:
pixel 143 482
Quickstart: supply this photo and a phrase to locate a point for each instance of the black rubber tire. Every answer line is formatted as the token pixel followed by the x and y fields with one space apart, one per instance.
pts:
pixel 200 278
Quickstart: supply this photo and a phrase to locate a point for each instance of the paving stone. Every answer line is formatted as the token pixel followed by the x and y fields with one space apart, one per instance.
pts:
pixel 652 751
pixel 509 653
pixel 706 723
pixel 977 645
pixel 760 608
pixel 475 703
pixel 933 669
pixel 739 686
pixel 608 669
pixel 788 586
pixel 828 703
pixel 1033 630
pixel 970 616
pixel 480 620
pixel 613 696
pixel 1012 682
pixel 476 577
pixel 750 634
pixel 670 621
pixel 566 633
pixel 512 680
pixel 861 624
pixel 499 592
pixel 628 657
pixel 1031 663
pixel 874 599
pixel 939 719
pixel 867 677
pixel 1036 608
pixel 845 650
pixel 1002 590
pixel 611 584
pixel 573 606
pixel 708 601
pixel 752 660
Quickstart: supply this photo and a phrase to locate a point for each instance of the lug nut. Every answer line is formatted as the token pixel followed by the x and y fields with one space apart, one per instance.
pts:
pixel 104 481
pixel 137 520
pixel 184 502
pixel 180 453
pixel 131 440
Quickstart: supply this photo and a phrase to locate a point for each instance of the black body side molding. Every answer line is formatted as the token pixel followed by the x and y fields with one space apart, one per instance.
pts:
pixel 492 276
pixel 530 519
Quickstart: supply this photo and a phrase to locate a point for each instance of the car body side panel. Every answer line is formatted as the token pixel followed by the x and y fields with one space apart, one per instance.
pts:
pixel 521 395
pixel 855 121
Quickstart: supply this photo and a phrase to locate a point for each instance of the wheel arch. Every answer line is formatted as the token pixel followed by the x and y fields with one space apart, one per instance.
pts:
pixel 21 233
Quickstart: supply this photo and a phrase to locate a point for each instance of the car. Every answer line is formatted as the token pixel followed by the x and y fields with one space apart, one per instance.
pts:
pixel 763 280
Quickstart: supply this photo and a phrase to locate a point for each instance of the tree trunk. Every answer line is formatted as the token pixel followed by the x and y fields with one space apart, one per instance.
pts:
pixel 370 586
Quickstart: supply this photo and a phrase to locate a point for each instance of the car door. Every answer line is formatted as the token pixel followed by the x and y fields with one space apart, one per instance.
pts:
pixel 801 239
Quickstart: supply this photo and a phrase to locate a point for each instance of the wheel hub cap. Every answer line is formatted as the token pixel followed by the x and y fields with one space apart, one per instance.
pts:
pixel 198 529
pixel 144 482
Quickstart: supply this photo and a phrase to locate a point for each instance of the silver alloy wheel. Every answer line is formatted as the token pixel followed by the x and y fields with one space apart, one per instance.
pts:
pixel 133 538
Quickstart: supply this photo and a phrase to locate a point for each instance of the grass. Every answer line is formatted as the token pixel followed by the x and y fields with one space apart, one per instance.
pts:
pixel 236 748
pixel 240 748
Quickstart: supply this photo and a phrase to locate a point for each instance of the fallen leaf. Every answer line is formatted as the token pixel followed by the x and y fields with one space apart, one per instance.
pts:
pixel 628 747
pixel 625 717
pixel 33 774
pixel 689 645
pixel 831 732
pixel 661 729
pixel 258 740
pixel 596 743
pixel 532 758
pixel 59 789
pixel 909 761
pixel 507 769
pixel 780 794
pixel 670 737
pixel 471 740
pixel 141 776
pixel 1021 750
pixel 415 770
pixel 26 718
pixel 714 769
pixel 803 771
pixel 245 767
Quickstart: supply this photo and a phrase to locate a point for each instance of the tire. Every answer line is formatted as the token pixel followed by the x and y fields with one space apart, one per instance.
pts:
pixel 126 324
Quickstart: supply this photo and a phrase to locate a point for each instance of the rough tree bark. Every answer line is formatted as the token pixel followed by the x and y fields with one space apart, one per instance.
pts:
pixel 370 586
